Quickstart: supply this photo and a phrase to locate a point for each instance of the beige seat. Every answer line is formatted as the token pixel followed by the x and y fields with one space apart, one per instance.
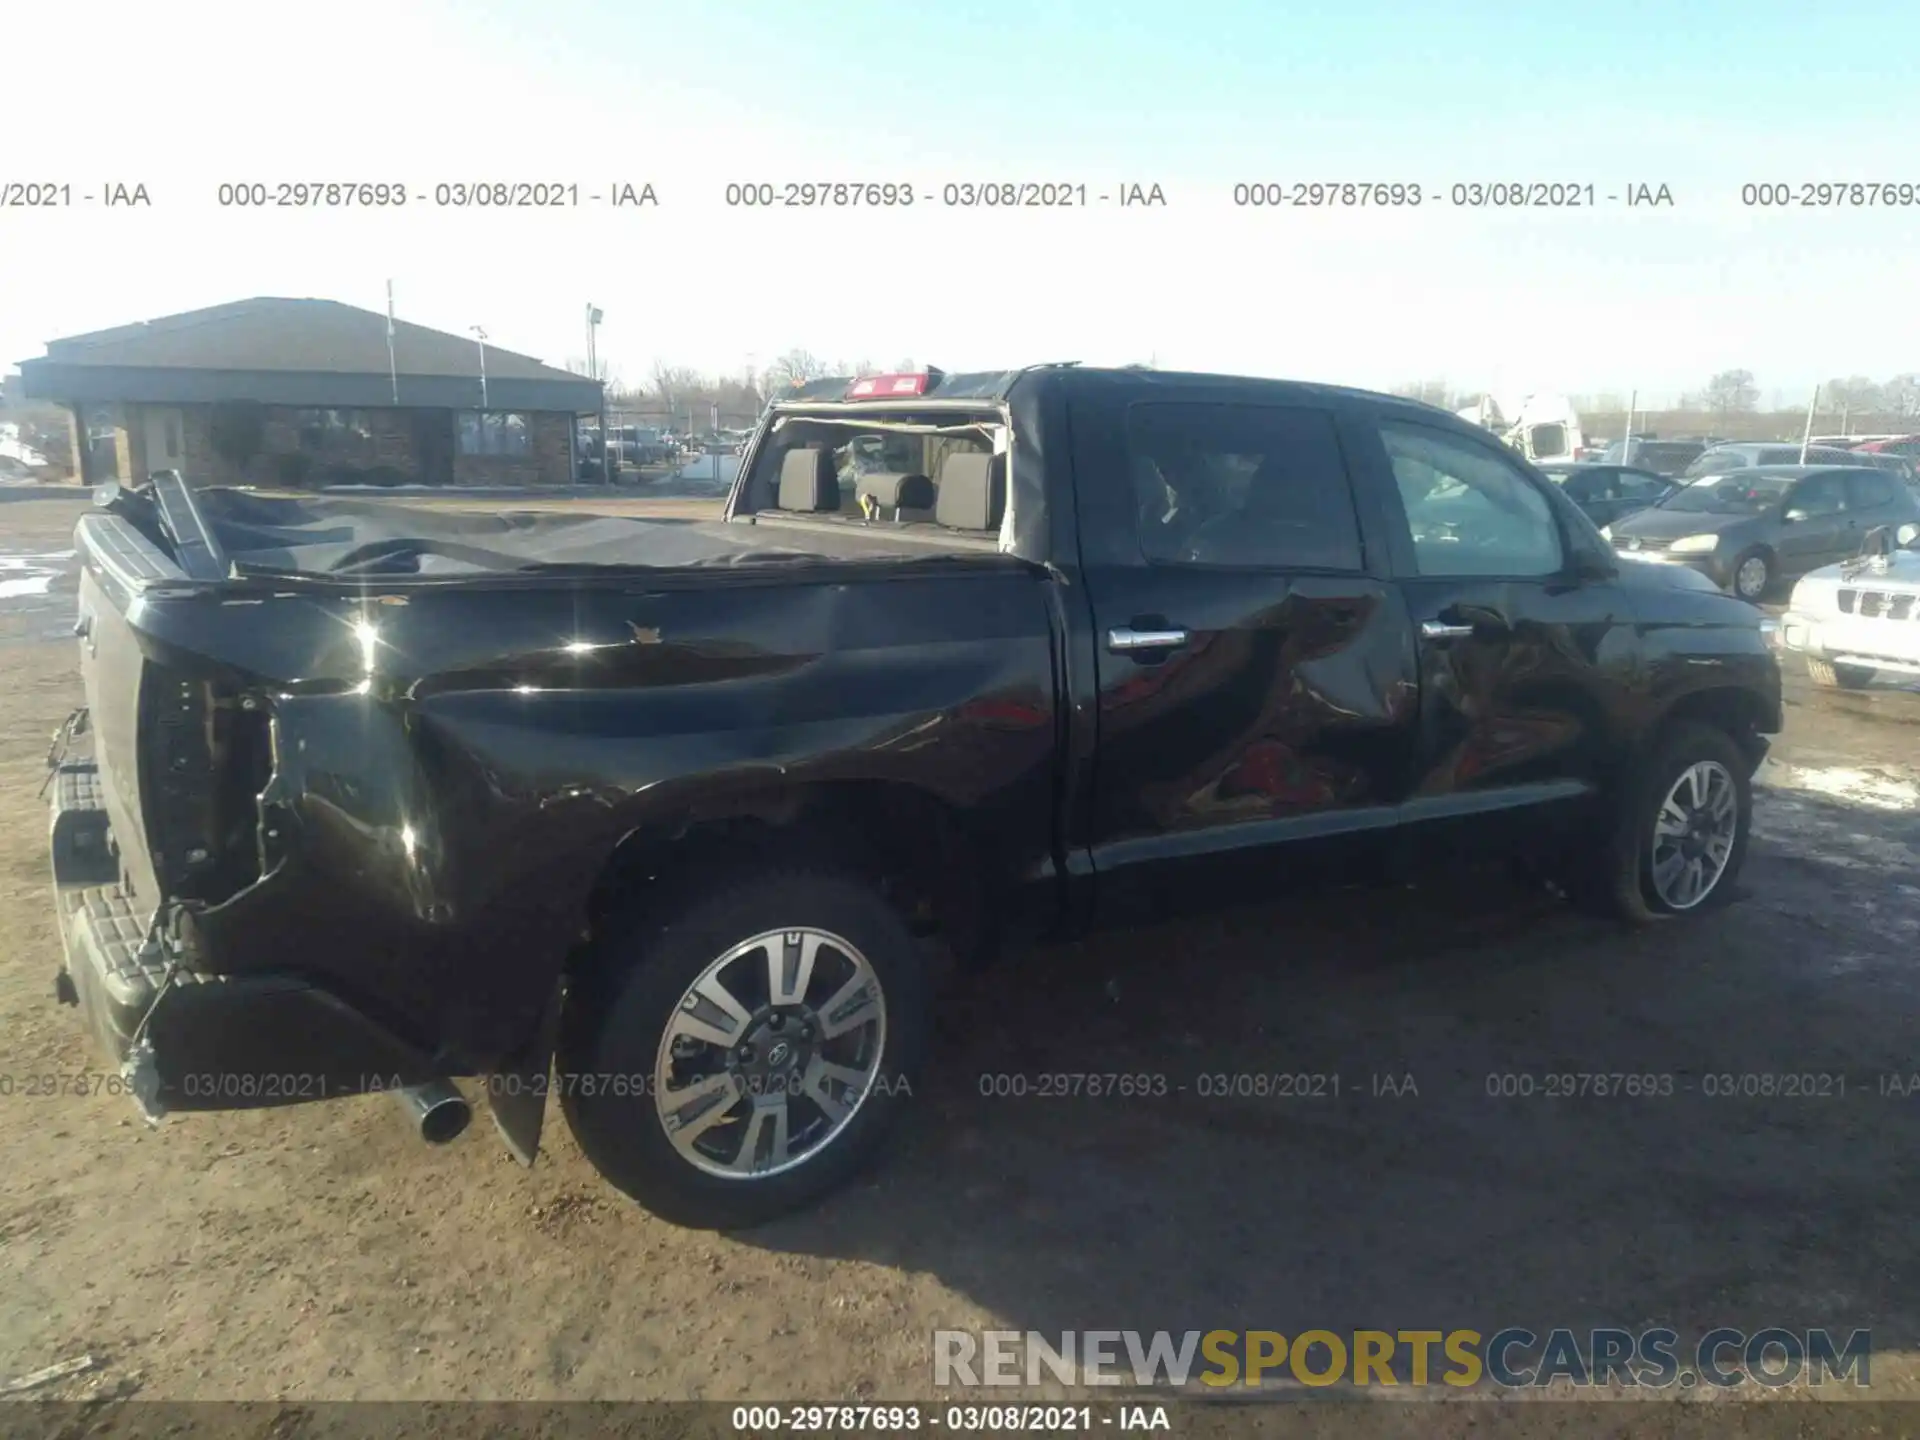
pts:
pixel 808 481
pixel 973 491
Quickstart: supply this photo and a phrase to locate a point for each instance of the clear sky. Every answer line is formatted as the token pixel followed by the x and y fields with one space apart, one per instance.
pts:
pixel 1193 97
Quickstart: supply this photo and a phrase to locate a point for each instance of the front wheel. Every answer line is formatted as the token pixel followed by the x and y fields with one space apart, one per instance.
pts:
pixel 1680 831
pixel 1752 576
pixel 741 1057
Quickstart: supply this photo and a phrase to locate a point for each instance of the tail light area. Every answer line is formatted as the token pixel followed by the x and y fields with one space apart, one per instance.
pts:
pixel 206 755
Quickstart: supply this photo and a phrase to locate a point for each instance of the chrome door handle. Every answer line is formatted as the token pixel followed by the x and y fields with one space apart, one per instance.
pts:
pixel 1123 639
pixel 1440 630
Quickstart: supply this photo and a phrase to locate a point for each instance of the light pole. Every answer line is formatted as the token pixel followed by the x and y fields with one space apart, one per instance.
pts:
pixel 481 336
pixel 594 318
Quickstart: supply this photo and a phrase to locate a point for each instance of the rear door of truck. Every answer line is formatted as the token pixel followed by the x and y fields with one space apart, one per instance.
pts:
pixel 1258 675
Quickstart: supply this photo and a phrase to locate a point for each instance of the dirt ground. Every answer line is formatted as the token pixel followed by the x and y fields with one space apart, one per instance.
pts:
pixel 324 1253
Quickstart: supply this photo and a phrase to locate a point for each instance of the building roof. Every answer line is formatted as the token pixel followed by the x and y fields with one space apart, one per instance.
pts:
pixel 297 352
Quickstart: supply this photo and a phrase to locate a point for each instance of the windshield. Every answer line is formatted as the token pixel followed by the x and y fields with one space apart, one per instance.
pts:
pixel 1729 495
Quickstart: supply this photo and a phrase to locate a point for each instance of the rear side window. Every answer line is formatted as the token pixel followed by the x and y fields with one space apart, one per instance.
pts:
pixel 1248 486
pixel 1869 489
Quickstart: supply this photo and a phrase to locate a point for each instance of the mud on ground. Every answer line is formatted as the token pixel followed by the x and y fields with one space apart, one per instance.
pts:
pixel 322 1253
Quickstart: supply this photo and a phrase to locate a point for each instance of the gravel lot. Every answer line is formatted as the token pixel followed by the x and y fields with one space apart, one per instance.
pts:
pixel 324 1254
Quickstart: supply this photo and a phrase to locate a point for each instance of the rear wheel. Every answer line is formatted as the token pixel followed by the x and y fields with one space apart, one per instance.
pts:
pixel 1846 677
pixel 1753 575
pixel 1679 833
pixel 739 1058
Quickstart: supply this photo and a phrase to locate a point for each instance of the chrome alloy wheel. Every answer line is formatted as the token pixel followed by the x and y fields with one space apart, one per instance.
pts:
pixel 1694 833
pixel 770 1054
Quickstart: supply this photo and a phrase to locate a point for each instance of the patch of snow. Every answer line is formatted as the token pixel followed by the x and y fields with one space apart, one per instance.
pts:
pixel 15 450
pixel 1875 789
pixel 24 575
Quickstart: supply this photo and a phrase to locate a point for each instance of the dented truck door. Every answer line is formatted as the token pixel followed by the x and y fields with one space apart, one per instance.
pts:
pixel 1256 665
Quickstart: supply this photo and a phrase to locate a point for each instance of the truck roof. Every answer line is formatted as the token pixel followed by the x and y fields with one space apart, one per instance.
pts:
pixel 992 386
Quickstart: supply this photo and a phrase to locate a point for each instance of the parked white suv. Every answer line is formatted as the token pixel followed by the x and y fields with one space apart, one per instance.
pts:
pixel 1859 618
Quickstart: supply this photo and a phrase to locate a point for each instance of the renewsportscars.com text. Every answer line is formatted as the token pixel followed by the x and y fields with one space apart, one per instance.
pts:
pixel 1513 1358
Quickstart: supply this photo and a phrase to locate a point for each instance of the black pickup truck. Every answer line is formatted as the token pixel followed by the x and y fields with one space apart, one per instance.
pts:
pixel 667 817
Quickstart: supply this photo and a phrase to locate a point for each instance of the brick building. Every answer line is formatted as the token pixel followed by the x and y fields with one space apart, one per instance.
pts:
pixel 302 393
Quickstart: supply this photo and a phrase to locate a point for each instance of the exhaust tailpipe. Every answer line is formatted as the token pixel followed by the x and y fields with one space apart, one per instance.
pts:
pixel 436 1109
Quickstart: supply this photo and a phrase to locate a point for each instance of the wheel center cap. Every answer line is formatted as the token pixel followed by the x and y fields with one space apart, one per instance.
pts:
pixel 779 1053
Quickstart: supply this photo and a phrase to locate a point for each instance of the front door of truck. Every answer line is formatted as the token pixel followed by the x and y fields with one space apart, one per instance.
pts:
pixel 1525 643
pixel 1255 666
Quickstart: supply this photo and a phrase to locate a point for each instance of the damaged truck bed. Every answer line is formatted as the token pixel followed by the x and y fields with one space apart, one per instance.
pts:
pixel 664 818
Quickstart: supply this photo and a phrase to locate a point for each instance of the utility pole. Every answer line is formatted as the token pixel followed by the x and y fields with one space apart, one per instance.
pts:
pixel 481 336
pixel 594 318
pixel 393 364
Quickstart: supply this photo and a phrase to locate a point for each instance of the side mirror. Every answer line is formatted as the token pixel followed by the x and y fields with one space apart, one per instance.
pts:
pixel 1586 565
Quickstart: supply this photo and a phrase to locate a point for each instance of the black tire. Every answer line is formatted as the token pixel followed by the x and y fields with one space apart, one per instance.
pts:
pixel 617 1013
pixel 1845 677
pixel 1767 576
pixel 1614 876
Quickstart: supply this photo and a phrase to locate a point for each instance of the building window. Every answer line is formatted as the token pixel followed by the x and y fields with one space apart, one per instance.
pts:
pixel 494 432
pixel 335 434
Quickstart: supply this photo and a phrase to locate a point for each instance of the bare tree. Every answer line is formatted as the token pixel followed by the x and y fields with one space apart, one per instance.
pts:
pixel 1731 392
pixel 1856 395
pixel 675 385
pixel 1902 396
pixel 796 367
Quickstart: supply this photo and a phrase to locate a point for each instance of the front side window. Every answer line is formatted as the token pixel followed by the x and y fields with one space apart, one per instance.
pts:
pixel 1246 486
pixel 1821 495
pixel 494 432
pixel 1470 512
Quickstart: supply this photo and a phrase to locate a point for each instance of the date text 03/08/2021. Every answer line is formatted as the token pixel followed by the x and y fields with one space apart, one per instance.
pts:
pixel 961 1419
